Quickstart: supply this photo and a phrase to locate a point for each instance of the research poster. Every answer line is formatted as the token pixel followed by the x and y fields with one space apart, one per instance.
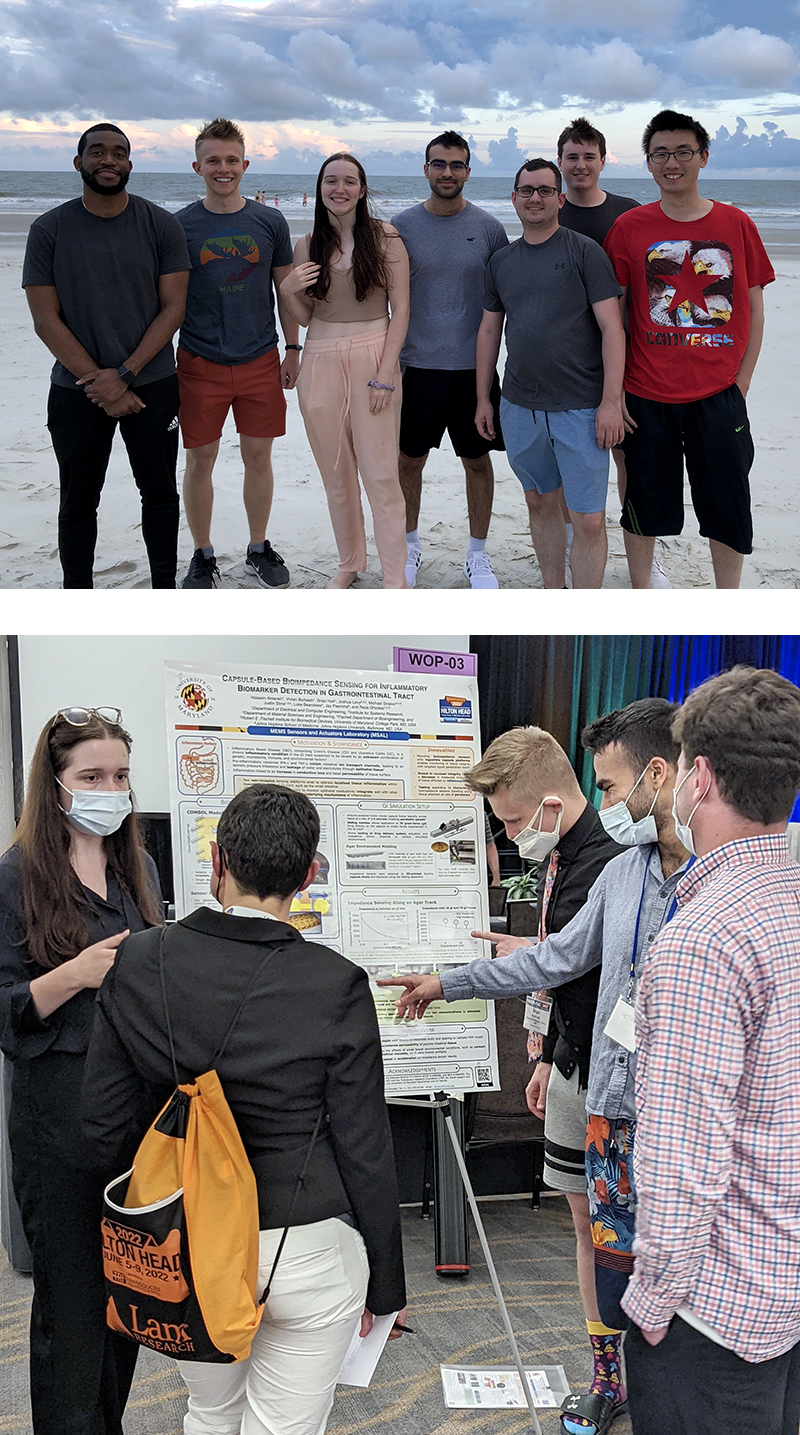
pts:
pixel 402 880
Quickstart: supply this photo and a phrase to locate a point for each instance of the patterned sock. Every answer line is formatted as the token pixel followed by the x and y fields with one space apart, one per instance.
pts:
pixel 606 1345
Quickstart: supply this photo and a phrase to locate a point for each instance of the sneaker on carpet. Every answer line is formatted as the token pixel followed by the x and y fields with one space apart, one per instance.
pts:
pixel 203 572
pixel 268 567
pixel 478 568
pixel 658 578
pixel 413 562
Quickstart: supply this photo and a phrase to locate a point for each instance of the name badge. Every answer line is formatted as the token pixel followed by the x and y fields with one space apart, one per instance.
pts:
pixel 537 1014
pixel 620 1025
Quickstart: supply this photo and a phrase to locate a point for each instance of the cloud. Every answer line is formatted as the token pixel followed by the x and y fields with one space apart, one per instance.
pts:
pixel 746 59
pixel 773 149
pixel 391 62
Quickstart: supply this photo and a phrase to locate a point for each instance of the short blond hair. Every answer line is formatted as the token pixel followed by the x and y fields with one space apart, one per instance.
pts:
pixel 528 761
pixel 219 129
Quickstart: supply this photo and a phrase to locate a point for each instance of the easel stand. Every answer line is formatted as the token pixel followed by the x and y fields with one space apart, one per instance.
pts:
pixel 441 1105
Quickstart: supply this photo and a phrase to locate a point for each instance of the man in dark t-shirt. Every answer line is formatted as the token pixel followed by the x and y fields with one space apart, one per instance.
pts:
pixel 105 278
pixel 590 210
pixel 561 397
pixel 228 349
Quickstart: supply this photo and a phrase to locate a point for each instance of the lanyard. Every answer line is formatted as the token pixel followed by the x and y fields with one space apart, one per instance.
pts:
pixel 673 907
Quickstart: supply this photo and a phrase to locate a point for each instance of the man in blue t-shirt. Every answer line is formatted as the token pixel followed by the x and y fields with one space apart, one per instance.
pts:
pixel 227 349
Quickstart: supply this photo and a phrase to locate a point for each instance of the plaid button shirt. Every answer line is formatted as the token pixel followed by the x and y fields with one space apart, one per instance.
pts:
pixel 717 1155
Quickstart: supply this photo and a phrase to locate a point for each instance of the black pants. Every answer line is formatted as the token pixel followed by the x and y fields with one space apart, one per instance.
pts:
pixel 80 1372
pixel 689 1385
pixel 82 436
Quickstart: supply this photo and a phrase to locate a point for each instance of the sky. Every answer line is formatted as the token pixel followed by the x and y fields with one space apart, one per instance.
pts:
pixel 381 77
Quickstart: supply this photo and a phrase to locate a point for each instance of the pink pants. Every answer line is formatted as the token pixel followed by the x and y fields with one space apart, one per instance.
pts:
pixel 346 439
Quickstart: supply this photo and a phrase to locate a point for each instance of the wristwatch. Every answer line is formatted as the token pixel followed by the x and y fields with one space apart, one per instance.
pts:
pixel 126 375
pixel 298 347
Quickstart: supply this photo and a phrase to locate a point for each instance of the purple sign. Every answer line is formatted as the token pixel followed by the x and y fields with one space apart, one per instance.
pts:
pixel 429 664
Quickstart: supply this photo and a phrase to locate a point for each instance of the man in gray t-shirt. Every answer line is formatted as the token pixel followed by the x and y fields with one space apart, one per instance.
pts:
pixel 561 409
pixel 105 278
pixel 448 242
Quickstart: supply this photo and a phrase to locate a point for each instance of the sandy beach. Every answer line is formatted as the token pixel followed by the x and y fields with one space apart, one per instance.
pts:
pixel 300 528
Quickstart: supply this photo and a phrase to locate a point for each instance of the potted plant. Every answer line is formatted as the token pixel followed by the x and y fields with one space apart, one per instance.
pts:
pixel 521 893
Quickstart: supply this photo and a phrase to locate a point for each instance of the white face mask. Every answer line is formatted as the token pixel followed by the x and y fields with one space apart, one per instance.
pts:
pixel 683 830
pixel 99 814
pixel 619 824
pixel 534 844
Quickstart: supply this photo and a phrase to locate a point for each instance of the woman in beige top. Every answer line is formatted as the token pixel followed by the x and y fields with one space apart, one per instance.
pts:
pixel 350 272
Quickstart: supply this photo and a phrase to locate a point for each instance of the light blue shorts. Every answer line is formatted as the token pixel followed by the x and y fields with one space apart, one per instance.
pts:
pixel 548 451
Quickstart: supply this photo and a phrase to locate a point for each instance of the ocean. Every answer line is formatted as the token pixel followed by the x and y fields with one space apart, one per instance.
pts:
pixel 772 203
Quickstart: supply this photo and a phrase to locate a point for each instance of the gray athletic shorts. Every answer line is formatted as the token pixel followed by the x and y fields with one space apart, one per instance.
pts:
pixel 565 1133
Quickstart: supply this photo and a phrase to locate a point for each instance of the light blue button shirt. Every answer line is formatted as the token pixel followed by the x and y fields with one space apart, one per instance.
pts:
pixel 602 933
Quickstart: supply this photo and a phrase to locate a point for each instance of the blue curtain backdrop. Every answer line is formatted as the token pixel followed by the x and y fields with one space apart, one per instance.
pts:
pixel 562 684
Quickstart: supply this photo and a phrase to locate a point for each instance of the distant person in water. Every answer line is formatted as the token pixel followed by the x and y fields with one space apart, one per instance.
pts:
pixel 305 200
pixel 105 278
pixel 228 350
pixel 349 272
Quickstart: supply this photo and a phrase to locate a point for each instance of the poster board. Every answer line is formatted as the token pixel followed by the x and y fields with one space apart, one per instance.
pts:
pixel 402 880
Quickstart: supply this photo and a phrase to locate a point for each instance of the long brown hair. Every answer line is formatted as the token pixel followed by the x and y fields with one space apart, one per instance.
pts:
pixel 370 270
pixel 54 904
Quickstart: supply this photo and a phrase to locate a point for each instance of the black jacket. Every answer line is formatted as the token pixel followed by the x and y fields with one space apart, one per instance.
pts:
pixel 582 854
pixel 307 1036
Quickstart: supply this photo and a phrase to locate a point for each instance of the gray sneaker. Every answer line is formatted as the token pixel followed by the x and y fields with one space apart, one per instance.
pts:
pixel 203 572
pixel 268 567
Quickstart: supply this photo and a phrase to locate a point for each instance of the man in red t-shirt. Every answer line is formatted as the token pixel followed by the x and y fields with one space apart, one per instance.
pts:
pixel 695 272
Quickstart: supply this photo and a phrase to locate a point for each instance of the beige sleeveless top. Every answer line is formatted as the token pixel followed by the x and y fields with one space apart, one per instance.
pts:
pixel 341 305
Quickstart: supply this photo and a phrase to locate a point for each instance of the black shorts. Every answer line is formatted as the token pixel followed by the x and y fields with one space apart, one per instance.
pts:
pixel 435 400
pixel 713 436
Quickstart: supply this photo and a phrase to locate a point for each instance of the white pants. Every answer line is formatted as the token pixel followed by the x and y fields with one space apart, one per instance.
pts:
pixel 287 1384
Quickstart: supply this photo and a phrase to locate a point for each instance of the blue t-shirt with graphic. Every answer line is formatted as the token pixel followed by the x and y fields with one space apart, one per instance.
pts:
pixel 230 307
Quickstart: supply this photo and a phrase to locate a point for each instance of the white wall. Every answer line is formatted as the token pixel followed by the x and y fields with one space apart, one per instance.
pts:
pixel 128 673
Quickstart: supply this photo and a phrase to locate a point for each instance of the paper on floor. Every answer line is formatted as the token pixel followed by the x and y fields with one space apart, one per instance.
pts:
pixel 479 1388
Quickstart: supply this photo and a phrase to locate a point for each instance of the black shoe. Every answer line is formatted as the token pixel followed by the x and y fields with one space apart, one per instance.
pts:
pixel 268 567
pixel 203 572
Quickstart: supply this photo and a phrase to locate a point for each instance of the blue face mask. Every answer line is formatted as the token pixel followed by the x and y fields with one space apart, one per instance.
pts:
pixel 619 824
pixel 99 814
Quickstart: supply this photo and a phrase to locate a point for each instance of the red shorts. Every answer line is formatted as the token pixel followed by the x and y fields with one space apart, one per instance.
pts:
pixel 208 391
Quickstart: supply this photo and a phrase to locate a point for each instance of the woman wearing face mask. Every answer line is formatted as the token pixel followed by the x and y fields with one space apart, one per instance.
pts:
pixel 350 287
pixel 74 883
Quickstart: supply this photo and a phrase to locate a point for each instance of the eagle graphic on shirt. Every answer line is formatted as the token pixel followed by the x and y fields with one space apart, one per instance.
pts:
pixel 690 284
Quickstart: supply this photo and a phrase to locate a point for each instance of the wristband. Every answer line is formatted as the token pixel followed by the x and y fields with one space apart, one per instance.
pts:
pixel 373 384
pixel 298 347
pixel 126 375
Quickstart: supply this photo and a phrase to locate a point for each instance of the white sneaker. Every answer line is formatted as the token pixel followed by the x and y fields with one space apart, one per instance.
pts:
pixel 413 562
pixel 478 568
pixel 658 578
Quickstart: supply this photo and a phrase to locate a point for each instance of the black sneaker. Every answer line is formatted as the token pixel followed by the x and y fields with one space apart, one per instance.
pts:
pixel 203 572
pixel 268 567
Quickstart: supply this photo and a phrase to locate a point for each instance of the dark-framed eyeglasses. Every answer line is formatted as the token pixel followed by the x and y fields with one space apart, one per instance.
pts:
pixel 683 155
pixel 440 165
pixel 81 717
pixel 545 191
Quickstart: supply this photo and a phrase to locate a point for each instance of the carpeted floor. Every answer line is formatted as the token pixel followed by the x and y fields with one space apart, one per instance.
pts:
pixel 455 1320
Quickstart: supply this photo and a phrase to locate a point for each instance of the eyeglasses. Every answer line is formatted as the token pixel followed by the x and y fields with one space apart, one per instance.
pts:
pixel 545 191
pixel 81 717
pixel 683 155
pixel 439 166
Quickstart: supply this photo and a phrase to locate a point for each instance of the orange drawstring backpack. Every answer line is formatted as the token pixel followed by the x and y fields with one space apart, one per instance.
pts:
pixel 180 1230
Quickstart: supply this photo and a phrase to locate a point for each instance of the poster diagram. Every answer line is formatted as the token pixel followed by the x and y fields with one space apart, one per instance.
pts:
pixel 402 877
